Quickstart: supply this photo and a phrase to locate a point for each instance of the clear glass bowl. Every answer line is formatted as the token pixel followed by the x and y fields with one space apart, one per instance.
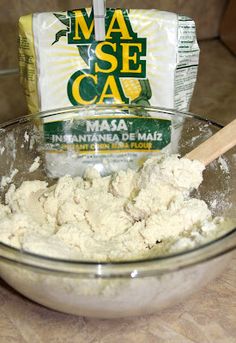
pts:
pixel 109 290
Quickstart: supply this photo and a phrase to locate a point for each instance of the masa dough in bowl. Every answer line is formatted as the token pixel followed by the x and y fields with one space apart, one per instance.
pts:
pixel 127 215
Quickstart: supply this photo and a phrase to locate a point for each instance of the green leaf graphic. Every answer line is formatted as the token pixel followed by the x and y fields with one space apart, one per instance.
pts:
pixel 59 34
pixel 63 19
pixel 145 95
pixel 146 89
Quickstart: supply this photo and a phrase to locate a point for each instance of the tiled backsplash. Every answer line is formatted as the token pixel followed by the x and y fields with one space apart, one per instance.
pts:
pixel 207 15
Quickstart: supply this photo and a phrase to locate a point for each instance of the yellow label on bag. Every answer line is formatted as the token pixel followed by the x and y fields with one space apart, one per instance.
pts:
pixel 27 62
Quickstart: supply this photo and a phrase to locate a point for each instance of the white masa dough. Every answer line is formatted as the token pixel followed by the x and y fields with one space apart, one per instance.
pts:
pixel 127 215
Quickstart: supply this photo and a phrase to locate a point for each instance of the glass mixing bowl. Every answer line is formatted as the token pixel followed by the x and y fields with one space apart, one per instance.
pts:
pixel 109 290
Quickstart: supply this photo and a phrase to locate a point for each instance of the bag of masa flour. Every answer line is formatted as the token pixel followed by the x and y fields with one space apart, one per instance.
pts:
pixel 149 57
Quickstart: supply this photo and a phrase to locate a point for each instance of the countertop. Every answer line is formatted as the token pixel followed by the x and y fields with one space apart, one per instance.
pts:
pixel 207 317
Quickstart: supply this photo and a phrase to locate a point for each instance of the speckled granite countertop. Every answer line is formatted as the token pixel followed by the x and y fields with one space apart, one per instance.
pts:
pixel 207 317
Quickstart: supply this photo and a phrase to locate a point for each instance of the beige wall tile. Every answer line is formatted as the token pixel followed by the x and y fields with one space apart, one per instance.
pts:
pixel 228 27
pixel 12 99
pixel 207 15
pixel 215 91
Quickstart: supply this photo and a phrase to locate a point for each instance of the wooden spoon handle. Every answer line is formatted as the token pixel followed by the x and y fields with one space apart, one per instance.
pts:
pixel 216 145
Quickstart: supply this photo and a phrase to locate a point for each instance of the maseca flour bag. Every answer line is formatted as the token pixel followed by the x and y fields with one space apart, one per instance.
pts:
pixel 149 57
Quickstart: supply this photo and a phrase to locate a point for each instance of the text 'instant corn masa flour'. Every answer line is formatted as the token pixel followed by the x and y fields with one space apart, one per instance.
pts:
pixel 149 57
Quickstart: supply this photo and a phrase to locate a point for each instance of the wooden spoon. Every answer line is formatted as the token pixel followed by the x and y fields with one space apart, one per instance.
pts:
pixel 215 146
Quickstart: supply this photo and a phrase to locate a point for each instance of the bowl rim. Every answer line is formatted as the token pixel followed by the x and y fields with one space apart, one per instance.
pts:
pixel 48 113
pixel 130 268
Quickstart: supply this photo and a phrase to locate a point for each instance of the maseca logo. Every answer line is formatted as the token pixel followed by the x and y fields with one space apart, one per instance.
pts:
pixel 109 63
